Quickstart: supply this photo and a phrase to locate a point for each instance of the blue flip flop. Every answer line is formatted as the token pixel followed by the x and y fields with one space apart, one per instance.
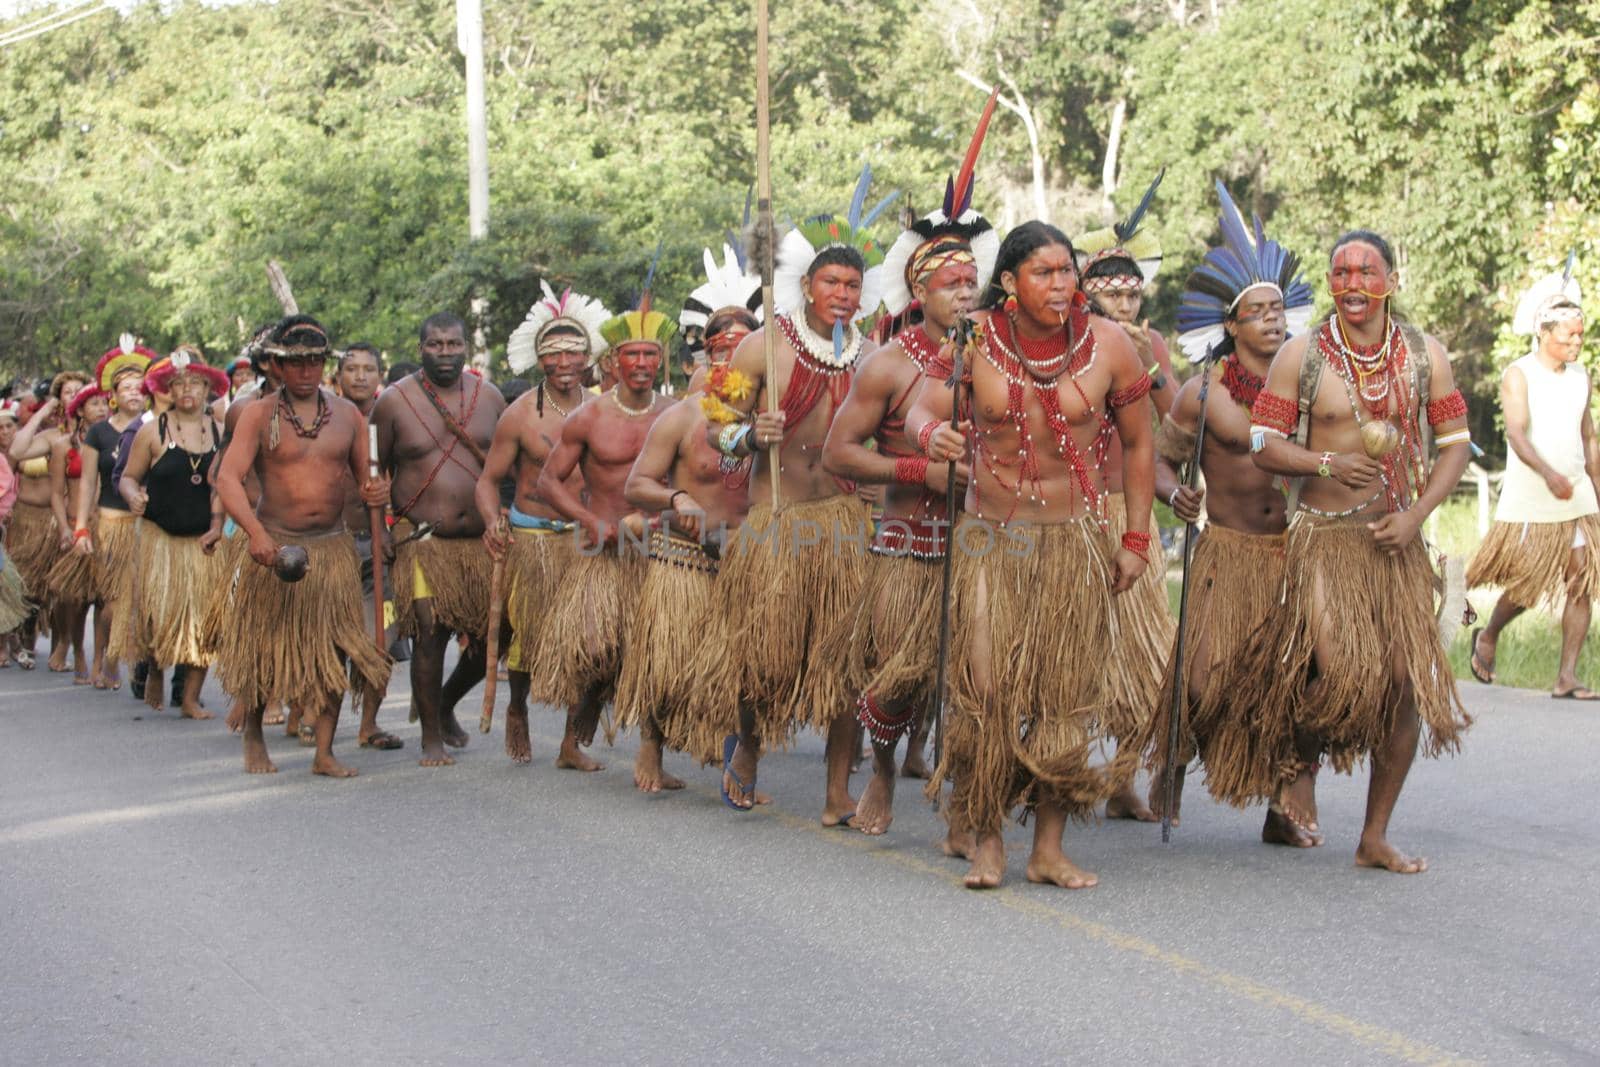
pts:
pixel 730 743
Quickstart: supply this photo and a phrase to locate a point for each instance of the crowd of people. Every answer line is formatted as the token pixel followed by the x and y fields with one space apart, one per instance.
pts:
pixel 838 527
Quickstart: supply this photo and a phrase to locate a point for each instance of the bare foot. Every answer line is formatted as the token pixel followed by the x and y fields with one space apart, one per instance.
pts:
pixel 58 662
pixel 1158 796
pixel 454 735
pixel 959 844
pixel 152 691
pixel 274 715
pixel 518 747
pixel 195 712
pixel 1297 801
pixel 1126 804
pixel 1278 830
pixel 916 765
pixel 876 810
pixel 573 758
pixel 1056 869
pixel 235 719
pixel 434 755
pixel 332 768
pixel 291 724
pixel 1379 853
pixel 256 760
pixel 648 774
pixel 988 863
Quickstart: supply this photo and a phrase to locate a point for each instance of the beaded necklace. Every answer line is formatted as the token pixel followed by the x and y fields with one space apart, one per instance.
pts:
pixel 1402 468
pixel 807 342
pixel 324 413
pixel 1242 383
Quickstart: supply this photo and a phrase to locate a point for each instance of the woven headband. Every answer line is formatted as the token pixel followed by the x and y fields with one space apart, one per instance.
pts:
pixel 1113 281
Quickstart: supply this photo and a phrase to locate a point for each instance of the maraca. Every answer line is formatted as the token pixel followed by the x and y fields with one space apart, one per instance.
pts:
pixel 291 563
pixel 1379 437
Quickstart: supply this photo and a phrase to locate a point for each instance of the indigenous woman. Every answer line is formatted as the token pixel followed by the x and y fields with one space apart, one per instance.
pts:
pixel 103 527
pixel 13 605
pixel 38 523
pixel 71 578
pixel 167 480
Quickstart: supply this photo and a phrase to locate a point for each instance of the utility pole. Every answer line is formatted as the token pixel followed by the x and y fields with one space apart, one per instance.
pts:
pixel 469 38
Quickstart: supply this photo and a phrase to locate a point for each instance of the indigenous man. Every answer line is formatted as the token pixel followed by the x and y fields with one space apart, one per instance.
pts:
pixel 1045 387
pixel 792 575
pixel 360 372
pixel 562 335
pixel 103 527
pixel 1116 264
pixel 581 638
pixel 1545 543
pixel 1351 657
pixel 434 430
pixel 1237 309
pixel 942 262
pixel 290 638
pixel 703 498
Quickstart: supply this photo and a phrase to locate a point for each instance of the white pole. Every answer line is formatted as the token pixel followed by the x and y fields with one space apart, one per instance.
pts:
pixel 469 37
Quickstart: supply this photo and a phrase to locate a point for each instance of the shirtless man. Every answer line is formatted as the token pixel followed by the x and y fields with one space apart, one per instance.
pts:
pixel 1355 674
pixel 434 431
pixel 561 335
pixel 302 442
pixel 582 636
pixel 703 499
pixel 1237 564
pixel 816 540
pixel 1035 568
pixel 892 651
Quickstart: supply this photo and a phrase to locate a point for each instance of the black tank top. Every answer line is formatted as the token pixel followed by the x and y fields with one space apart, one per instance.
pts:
pixel 179 487
pixel 105 438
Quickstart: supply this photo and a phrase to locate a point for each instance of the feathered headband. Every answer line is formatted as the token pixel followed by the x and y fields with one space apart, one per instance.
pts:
pixel 801 246
pixel 582 313
pixel 729 285
pixel 186 359
pixel 1126 240
pixel 1536 309
pixel 82 397
pixel 125 358
pixel 950 228
pixel 1241 263
pixel 642 323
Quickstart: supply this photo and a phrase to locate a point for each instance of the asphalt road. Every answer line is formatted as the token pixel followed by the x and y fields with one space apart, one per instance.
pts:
pixel 162 907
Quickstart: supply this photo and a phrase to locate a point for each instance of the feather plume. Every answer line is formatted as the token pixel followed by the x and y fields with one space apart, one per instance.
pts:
pixel 859 200
pixel 1130 225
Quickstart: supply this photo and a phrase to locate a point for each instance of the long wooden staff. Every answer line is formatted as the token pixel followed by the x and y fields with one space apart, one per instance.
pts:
pixel 963 333
pixel 491 639
pixel 764 229
pixel 1181 677
pixel 375 518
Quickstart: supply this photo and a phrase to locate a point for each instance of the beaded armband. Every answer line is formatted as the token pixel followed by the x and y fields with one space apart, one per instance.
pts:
pixel 1123 397
pixel 1455 437
pixel 911 470
pixel 1273 412
pixel 1451 406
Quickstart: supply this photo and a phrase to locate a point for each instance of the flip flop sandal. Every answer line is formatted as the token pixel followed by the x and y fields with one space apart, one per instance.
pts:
pixel 382 740
pixel 1572 694
pixel 25 660
pixel 1475 664
pixel 730 743
pixel 307 735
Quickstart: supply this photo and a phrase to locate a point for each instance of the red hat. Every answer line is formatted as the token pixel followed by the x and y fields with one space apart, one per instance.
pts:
pixel 126 356
pixel 186 359
pixel 82 397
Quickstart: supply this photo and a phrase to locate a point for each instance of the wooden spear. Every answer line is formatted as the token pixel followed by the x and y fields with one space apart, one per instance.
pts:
pixel 765 230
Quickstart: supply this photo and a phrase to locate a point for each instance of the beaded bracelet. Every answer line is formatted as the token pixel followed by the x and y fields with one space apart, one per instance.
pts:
pixel 911 470
pixel 80 533
pixel 925 435
pixel 1137 542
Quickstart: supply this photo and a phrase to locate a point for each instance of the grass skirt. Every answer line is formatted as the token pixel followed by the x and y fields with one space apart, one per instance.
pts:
pixel 1234 582
pixel 889 644
pixel 665 637
pixel 113 553
pixel 1025 734
pixel 13 604
pixel 33 545
pixel 1529 561
pixel 1379 614
pixel 534 565
pixel 71 579
pixel 580 640
pixel 459 574
pixel 166 607
pixel 785 583
pixel 302 642
pixel 1145 628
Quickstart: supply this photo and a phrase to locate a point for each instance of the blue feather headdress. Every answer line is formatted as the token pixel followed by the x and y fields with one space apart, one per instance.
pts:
pixel 1245 260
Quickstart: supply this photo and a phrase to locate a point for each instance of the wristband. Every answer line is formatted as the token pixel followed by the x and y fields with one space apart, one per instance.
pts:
pixel 911 470
pixel 1325 465
pixel 925 435
pixel 1172 501
pixel 80 533
pixel 672 501
pixel 1138 543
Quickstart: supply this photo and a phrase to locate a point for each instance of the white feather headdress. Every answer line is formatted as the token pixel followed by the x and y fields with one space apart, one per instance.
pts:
pixel 570 308
pixel 1555 288
pixel 729 284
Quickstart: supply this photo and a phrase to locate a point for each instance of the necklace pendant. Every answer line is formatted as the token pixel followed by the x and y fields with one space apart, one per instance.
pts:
pixel 196 479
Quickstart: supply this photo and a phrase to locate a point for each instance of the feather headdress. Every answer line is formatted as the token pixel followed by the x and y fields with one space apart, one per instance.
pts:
pixel 730 284
pixel 583 314
pixel 1127 240
pixel 126 357
pixel 954 224
pixel 643 323
pixel 1245 260
pixel 1542 295
pixel 801 246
